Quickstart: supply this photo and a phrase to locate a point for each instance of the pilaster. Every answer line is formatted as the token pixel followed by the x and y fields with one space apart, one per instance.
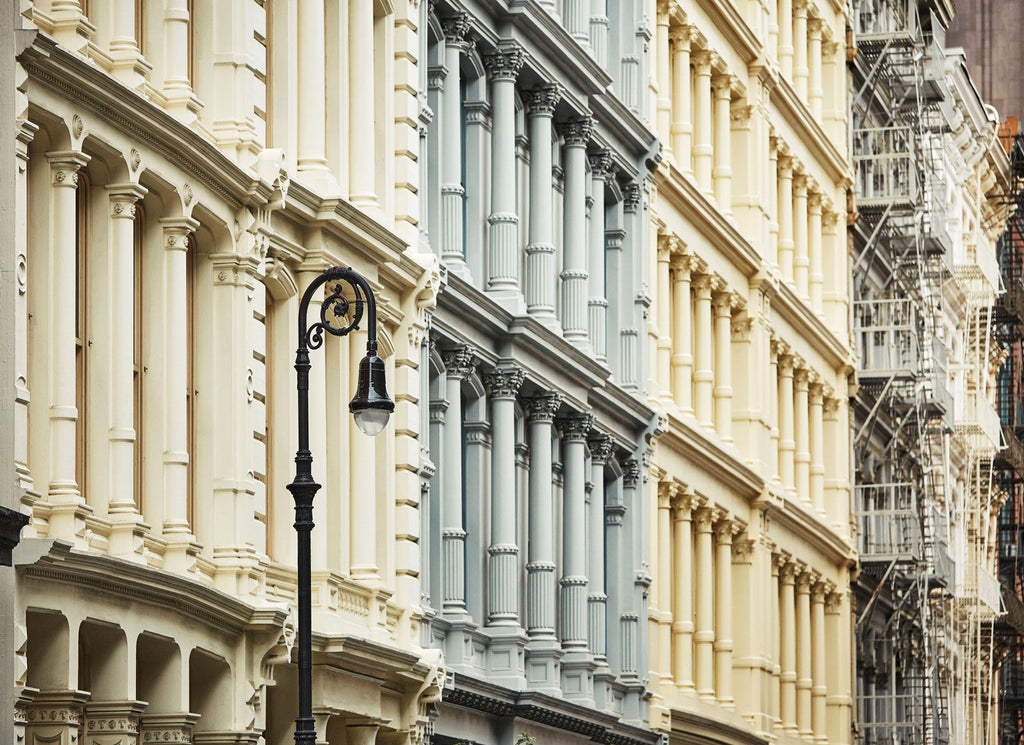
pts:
pixel 702 134
pixel 452 188
pixel 682 332
pixel 600 169
pixel 722 302
pixel 801 260
pixel 458 363
pixel 704 637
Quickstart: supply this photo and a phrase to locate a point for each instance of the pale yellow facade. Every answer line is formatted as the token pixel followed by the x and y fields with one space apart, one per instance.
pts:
pixel 749 514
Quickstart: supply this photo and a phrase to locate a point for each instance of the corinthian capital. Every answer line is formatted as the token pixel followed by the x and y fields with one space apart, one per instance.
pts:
pixel 504 382
pixel 577 132
pixel 505 63
pixel 543 100
pixel 458 362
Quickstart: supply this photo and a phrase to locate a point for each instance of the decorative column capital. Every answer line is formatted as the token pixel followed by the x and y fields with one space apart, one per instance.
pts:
pixel 577 132
pixel 831 407
pixel 722 301
pixel 576 428
pixel 721 85
pixel 176 232
pixel 65 165
pixel 458 362
pixel 601 165
pixel 801 378
pixel 455 28
pixel 123 198
pixel 785 163
pixel 703 285
pixel 681 36
pixel 704 519
pixel 543 100
pixel 723 530
pixel 543 408
pixel 630 473
pixel 702 59
pixel 504 63
pixel 786 364
pixel 804 579
pixel 815 200
pixel 631 196
pixel 800 184
pixel 601 449
pixel 503 383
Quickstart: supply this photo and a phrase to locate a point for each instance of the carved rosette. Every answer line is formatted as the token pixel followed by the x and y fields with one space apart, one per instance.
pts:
pixel 544 408
pixel 576 428
pixel 577 132
pixel 458 362
pixel 542 101
pixel 504 64
pixel 504 382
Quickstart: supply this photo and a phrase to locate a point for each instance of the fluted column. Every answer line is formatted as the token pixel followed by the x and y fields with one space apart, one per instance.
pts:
pixel 661 598
pixel 543 649
pixel 682 592
pixel 600 452
pixel 312 105
pixel 775 416
pixel 815 91
pixel 702 143
pixel 800 70
pixel 503 235
pixel 786 217
pixel 832 484
pixel 576 20
pixel 576 682
pixel 458 364
pixel 722 174
pixel 663 317
pixel 625 598
pixel 773 203
pixel 801 434
pixel 723 613
pixel 722 303
pixel 361 105
pixel 786 37
pixel 452 190
pixel 123 507
pixel 600 168
pixel 705 632
pixel 801 260
pixel 817 447
pixel 787 646
pixel 682 108
pixel 63 491
pixel 815 276
pixel 599 31
pixel 176 530
pixel 574 247
pixel 575 430
pixel 503 553
pixel 775 649
pixel 682 334
pixel 803 654
pixel 703 374
pixel 663 73
pixel 541 272
pixel 819 691
pixel 787 443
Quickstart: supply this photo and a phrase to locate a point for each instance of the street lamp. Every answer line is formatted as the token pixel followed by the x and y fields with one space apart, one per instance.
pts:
pixel 371 408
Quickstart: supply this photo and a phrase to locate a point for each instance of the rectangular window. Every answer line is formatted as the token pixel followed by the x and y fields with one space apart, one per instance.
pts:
pixel 81 324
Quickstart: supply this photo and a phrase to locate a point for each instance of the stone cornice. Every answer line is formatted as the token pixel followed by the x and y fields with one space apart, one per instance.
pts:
pixel 683 194
pixel 57 561
pixel 733 27
pixel 679 437
pixel 541 28
pixel 87 86
pixel 811 133
pixel 808 325
pixel 538 707
pixel 793 518
pixel 614 117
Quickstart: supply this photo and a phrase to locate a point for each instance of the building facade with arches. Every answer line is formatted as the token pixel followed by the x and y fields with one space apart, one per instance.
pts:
pixel 184 170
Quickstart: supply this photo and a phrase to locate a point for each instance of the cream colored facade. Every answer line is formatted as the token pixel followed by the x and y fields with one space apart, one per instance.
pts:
pixel 184 169
pixel 751 543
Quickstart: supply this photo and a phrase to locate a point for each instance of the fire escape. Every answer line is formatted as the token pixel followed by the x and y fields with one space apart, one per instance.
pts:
pixel 1009 466
pixel 904 409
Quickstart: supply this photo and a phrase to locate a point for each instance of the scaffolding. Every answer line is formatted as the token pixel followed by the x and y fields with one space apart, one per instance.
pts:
pixel 925 621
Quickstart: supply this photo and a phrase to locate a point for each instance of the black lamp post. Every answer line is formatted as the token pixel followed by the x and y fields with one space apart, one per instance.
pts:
pixel 371 408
